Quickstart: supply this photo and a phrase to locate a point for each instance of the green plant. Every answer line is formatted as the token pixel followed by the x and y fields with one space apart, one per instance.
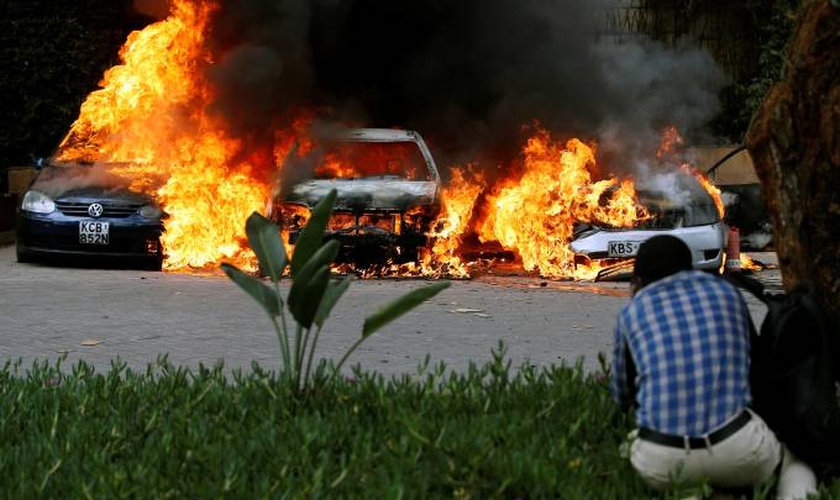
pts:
pixel 312 294
pixel 487 431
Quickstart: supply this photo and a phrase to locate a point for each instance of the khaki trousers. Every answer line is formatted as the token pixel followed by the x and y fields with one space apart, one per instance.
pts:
pixel 744 459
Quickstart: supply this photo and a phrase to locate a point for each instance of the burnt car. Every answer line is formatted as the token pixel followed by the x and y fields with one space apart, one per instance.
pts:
pixel 676 204
pixel 80 210
pixel 387 188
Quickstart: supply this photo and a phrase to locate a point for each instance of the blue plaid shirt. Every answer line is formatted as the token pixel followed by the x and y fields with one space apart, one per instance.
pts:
pixel 688 336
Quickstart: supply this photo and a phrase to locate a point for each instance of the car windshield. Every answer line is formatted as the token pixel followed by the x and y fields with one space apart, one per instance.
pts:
pixel 353 160
pixel 692 207
pixel 686 204
pixel 700 211
pixel 661 216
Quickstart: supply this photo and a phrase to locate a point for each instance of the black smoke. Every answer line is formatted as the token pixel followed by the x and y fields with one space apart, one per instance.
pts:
pixel 467 74
pixel 153 9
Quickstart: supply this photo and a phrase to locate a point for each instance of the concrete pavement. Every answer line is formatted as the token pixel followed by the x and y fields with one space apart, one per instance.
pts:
pixel 98 315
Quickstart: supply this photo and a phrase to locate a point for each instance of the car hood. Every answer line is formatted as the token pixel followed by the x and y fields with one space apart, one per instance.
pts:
pixel 95 193
pixel 366 194
pixel 75 182
pixel 593 240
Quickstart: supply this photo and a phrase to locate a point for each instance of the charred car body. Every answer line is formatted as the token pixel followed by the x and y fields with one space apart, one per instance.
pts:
pixel 79 210
pixel 387 188
pixel 677 205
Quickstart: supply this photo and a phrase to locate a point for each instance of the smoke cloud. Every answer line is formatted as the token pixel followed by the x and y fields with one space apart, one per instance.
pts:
pixel 155 9
pixel 651 87
pixel 468 74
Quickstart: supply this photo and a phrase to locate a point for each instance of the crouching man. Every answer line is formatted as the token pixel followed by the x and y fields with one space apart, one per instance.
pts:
pixel 682 358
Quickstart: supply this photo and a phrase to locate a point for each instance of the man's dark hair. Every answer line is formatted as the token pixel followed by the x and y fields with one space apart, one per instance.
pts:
pixel 661 256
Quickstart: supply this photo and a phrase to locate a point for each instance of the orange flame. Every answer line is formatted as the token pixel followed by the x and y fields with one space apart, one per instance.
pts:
pixel 535 214
pixel 669 141
pixel 147 123
pixel 458 202
pixel 710 188
pixel 749 264
pixel 347 161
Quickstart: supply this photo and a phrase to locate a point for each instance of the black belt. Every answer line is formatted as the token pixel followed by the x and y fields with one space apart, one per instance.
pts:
pixel 715 437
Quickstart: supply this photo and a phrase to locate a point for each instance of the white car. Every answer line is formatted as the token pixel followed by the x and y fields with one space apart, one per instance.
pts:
pixel 679 207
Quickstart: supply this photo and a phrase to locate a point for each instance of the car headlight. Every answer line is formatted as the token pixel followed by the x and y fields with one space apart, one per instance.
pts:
pixel 150 212
pixel 38 202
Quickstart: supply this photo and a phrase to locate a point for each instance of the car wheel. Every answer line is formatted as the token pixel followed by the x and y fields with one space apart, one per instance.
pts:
pixel 23 257
pixel 153 265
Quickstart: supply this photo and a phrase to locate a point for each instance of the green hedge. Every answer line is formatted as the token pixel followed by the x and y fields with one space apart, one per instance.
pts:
pixel 488 433
pixel 172 433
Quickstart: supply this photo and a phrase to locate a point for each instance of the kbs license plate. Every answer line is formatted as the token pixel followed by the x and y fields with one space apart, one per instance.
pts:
pixel 622 248
pixel 93 232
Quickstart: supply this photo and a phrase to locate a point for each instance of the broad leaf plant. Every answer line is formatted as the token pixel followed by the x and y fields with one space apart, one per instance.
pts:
pixel 313 292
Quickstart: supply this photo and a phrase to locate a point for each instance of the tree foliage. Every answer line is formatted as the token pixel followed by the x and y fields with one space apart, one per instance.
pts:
pixel 773 25
pixel 52 54
pixel 794 140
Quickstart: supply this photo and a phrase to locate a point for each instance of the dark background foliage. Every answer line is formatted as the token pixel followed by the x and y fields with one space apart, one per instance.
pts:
pixel 54 52
pixel 770 27
pixel 746 38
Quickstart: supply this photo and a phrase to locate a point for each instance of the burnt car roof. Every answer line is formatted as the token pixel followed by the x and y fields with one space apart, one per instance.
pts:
pixel 377 190
pixel 375 135
pixel 359 194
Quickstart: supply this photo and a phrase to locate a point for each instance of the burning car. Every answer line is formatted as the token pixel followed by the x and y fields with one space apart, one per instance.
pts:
pixel 79 210
pixel 679 206
pixel 387 195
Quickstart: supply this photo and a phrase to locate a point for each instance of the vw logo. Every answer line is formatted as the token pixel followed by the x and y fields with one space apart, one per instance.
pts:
pixel 95 209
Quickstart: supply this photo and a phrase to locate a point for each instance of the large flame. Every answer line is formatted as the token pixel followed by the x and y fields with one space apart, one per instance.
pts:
pixel 536 213
pixel 458 202
pixel 149 123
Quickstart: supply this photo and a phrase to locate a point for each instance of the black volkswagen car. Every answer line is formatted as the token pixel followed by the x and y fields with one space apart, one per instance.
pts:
pixel 79 210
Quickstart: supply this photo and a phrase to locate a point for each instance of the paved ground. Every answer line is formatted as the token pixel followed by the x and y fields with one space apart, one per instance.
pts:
pixel 98 315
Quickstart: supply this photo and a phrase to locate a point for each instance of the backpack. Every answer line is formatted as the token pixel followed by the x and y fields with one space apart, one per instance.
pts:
pixel 795 371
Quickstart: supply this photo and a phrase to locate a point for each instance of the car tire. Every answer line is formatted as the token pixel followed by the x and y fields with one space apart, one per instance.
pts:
pixel 153 265
pixel 23 257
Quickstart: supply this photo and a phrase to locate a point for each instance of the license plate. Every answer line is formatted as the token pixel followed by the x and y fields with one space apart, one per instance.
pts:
pixel 93 232
pixel 622 248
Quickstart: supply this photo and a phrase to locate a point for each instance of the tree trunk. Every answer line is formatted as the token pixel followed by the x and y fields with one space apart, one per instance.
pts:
pixel 794 140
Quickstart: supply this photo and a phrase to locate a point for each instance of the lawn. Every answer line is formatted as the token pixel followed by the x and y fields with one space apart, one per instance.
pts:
pixel 492 432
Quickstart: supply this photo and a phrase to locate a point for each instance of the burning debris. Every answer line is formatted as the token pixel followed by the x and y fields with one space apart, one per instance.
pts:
pixel 216 111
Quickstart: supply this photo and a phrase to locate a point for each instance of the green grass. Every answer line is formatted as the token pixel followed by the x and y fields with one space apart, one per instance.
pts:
pixel 489 433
